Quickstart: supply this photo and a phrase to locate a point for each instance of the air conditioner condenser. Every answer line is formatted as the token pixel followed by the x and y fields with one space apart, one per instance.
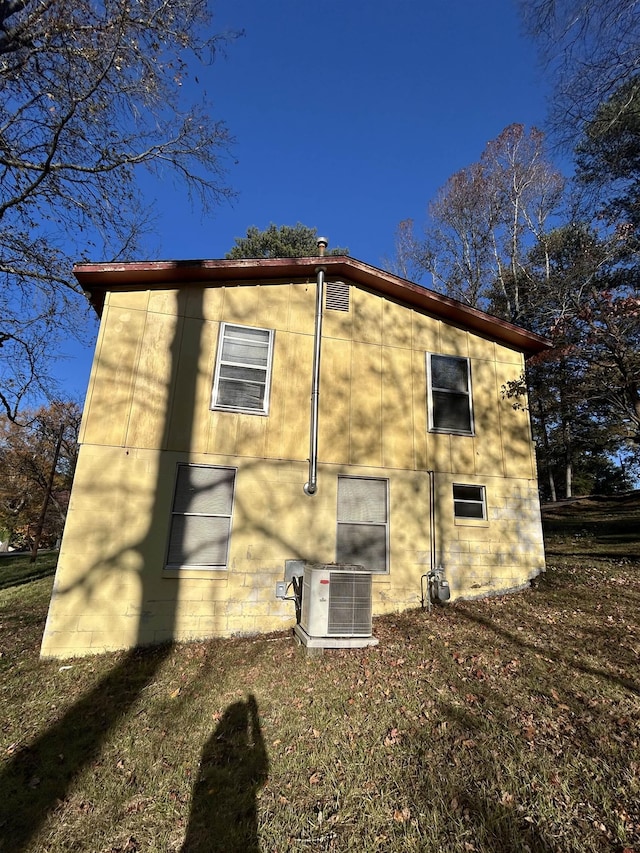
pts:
pixel 336 607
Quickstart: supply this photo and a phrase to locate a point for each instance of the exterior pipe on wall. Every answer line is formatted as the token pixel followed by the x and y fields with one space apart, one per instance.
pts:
pixel 432 517
pixel 425 580
pixel 311 486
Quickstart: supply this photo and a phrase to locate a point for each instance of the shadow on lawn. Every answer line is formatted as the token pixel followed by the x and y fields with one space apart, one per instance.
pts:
pixel 13 573
pixel 570 659
pixel 234 765
pixel 504 829
pixel 37 778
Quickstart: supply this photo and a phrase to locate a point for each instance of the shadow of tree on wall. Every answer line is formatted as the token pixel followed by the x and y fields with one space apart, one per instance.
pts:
pixel 233 766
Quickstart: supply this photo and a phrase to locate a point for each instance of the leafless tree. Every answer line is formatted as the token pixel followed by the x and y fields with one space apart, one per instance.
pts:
pixel 91 92
pixel 484 221
pixel 590 49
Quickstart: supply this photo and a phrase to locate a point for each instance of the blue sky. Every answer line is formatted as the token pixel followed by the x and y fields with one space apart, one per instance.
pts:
pixel 348 117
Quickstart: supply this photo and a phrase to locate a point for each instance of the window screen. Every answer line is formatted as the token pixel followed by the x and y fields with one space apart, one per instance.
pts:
pixel 243 369
pixel 201 517
pixel 469 502
pixel 450 404
pixel 363 522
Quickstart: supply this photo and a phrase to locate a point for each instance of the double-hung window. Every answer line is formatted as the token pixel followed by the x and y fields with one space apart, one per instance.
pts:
pixel 450 400
pixel 243 369
pixel 201 517
pixel 469 502
pixel 363 522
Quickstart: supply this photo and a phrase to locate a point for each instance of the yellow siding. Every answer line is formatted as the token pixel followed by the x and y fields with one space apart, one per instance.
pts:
pixel 453 341
pixel 367 316
pixel 206 302
pixel 189 418
pixel 398 429
pixel 148 408
pixel 488 440
pixel 114 376
pixel 397 330
pixel 425 334
pixel 155 381
pixel 365 414
pixel 335 401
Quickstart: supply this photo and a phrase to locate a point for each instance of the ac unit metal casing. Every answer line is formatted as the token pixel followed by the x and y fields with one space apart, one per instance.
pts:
pixel 336 602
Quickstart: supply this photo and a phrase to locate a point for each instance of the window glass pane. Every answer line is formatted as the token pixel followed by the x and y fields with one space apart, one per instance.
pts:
pixel 362 500
pixel 468 510
pixel 467 493
pixel 245 352
pixel 450 373
pixel 198 540
pixel 364 545
pixel 204 490
pixel 451 411
pixel 247 333
pixel 241 395
pixel 253 374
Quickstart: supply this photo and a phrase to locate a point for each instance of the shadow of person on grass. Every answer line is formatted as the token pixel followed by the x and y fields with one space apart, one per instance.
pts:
pixel 233 767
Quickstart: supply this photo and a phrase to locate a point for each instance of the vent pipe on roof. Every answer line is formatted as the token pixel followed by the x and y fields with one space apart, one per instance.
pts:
pixel 311 486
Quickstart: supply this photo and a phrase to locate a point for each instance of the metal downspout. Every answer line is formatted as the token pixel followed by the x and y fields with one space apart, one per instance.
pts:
pixel 311 486
pixel 432 517
pixel 432 543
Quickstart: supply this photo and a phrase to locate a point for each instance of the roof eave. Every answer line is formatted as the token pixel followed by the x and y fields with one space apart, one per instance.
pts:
pixel 98 279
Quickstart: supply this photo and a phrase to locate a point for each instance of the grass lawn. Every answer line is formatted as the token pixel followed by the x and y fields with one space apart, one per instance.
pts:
pixel 504 724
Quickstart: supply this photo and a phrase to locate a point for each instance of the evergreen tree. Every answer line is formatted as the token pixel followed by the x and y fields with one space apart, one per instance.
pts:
pixel 283 241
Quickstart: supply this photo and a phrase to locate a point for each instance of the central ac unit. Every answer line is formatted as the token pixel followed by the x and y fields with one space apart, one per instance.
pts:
pixel 336 607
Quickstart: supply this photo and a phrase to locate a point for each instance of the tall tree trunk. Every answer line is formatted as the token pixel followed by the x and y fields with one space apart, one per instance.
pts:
pixel 47 496
pixel 566 432
pixel 547 451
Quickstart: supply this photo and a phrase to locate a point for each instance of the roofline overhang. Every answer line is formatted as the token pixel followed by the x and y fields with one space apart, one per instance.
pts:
pixel 99 278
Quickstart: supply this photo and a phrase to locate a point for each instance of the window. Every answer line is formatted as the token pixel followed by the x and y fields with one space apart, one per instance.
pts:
pixel 363 522
pixel 450 404
pixel 469 502
pixel 243 369
pixel 201 517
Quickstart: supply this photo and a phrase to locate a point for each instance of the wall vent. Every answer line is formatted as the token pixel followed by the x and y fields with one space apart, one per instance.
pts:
pixel 336 296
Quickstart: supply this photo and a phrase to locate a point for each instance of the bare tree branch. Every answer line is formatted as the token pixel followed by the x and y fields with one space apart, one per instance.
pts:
pixel 91 93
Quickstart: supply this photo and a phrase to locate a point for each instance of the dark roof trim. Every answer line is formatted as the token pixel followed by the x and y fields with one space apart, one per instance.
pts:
pixel 98 279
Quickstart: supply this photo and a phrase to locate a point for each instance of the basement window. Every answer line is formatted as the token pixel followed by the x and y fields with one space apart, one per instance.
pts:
pixel 469 502
pixel 201 517
pixel 243 369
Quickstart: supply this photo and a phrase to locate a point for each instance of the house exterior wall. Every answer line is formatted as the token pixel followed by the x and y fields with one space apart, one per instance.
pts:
pixel 148 409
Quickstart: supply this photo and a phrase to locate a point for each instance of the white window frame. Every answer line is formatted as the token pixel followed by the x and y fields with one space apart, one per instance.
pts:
pixel 460 502
pixel 342 522
pixel 226 334
pixel 440 390
pixel 179 514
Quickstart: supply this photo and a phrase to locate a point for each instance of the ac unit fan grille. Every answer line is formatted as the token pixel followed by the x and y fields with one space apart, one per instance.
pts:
pixel 349 604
